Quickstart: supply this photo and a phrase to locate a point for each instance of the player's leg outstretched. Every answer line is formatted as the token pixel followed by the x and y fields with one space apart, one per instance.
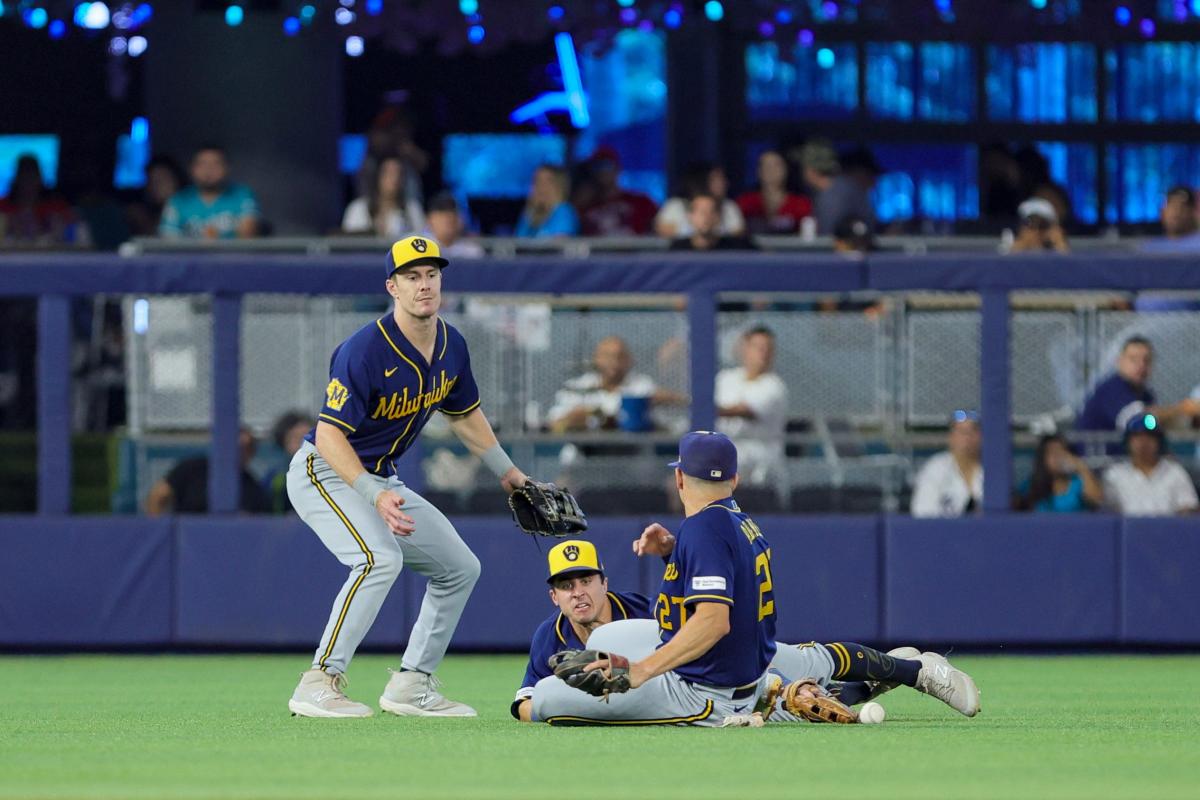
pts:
pixel 928 673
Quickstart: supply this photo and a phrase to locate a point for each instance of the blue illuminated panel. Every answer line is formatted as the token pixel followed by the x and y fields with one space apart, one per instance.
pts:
pixel 890 79
pixel 1139 176
pixel 935 182
pixel 806 82
pixel 497 165
pixel 1153 82
pixel 946 89
pixel 1042 82
pixel 42 146
pixel 1073 166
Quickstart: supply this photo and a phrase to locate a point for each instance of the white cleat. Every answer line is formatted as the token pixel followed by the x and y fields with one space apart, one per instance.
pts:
pixel 319 694
pixel 883 687
pixel 415 694
pixel 938 678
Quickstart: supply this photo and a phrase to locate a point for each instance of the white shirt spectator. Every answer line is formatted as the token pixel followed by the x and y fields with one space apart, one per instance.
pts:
pixel 675 212
pixel 357 219
pixel 759 441
pixel 941 490
pixel 1166 490
pixel 585 391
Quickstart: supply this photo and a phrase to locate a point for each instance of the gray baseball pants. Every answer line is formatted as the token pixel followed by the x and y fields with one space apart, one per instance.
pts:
pixel 356 534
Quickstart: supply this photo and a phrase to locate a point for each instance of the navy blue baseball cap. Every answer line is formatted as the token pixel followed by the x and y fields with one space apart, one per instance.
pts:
pixel 707 455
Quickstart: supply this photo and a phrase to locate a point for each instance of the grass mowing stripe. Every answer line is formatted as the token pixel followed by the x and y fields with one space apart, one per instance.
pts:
pixel 217 726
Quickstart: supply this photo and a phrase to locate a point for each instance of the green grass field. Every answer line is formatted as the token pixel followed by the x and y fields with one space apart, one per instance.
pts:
pixel 218 726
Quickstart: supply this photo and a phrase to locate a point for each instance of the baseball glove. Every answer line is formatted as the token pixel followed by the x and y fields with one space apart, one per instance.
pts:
pixel 544 509
pixel 805 698
pixel 571 667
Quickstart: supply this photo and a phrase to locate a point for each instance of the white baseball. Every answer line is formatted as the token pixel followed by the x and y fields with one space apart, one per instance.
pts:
pixel 871 714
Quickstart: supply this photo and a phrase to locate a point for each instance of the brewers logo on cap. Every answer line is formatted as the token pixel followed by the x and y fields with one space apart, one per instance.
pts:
pixel 415 251
pixel 571 557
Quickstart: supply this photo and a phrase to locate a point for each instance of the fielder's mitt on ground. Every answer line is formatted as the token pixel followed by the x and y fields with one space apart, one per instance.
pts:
pixel 546 510
pixel 805 698
pixel 571 667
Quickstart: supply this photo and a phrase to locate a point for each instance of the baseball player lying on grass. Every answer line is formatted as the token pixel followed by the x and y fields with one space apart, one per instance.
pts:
pixel 719 568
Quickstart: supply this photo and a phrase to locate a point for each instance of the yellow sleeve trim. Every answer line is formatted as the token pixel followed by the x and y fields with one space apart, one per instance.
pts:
pixel 335 419
pixel 466 410
pixel 719 598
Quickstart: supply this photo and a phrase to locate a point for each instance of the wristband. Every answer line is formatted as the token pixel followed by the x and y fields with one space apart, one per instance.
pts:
pixel 368 486
pixel 497 460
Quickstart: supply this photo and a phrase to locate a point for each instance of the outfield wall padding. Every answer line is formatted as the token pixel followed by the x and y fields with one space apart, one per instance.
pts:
pixel 250 582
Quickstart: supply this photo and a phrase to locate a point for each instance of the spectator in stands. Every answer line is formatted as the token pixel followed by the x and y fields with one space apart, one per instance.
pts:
pixel 163 179
pixel 772 209
pixel 1126 394
pixel 1060 480
pixel 844 185
pixel 704 217
pixel 951 483
pixel 593 400
pixel 852 235
pixel 1040 229
pixel 288 434
pixel 1149 483
pixel 1178 214
pixel 212 207
pixel 392 135
pixel 185 488
pixel 752 409
pixel 547 212
pixel 999 184
pixel 388 211
pixel 614 211
pixel 444 224
pixel 702 178
pixel 32 216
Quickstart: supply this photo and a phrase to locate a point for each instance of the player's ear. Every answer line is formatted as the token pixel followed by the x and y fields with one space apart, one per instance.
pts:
pixel 734 482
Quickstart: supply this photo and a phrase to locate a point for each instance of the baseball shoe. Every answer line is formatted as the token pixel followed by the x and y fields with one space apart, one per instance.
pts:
pixel 415 694
pixel 766 704
pixel 319 694
pixel 938 678
pixel 883 687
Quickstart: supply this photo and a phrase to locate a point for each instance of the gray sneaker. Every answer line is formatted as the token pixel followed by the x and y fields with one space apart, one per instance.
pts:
pixel 319 694
pixel 947 683
pixel 415 694
pixel 883 687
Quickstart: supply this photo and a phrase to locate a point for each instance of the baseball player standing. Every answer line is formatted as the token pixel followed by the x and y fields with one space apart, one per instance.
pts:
pixel 385 382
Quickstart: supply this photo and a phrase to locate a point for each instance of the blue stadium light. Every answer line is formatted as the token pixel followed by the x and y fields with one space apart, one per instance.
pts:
pixel 830 9
pixel 568 65
pixel 625 3
pixel 943 6
pixel 806 38
pixel 139 129
pixel 140 16
pixel 628 15
pixel 475 34
pixel 81 13
pixel 826 58
pixel 57 29
pixel 94 16
pixel 714 10
pixel 784 16
pixel 673 18
pixel 137 45
pixel 234 16
pixel 555 13
pixel 1123 15
pixel 1038 4
pixel 1196 7
pixel 766 29
pixel 117 46
pixel 291 26
pixel 1147 27
pixel 36 18
pixel 307 12
pixel 1150 422
pixel 354 46
pixel 468 7
pixel 374 7
pixel 141 316
pixel 343 16
pixel 2 9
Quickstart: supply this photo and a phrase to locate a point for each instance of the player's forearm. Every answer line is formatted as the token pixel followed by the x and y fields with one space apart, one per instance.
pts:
pixel 707 626
pixel 739 410
pixel 474 431
pixel 338 453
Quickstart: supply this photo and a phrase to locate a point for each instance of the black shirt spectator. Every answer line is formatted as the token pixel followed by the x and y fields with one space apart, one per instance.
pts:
pixel 704 214
pixel 188 481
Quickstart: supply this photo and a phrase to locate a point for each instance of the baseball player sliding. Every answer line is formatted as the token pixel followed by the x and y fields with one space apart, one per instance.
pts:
pixel 714 617
pixel 385 382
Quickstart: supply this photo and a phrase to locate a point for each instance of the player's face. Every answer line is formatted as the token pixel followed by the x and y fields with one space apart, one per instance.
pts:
pixel 581 598
pixel 1134 363
pixel 417 290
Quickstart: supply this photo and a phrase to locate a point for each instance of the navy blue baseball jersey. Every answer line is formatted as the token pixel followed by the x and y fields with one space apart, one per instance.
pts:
pixel 721 556
pixel 1111 405
pixel 556 633
pixel 382 391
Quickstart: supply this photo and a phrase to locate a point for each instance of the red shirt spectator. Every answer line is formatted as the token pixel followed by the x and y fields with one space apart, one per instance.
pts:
pixel 30 214
pixel 772 208
pixel 615 211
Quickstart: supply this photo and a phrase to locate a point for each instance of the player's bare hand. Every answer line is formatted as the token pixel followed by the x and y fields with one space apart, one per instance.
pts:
pixel 654 541
pixel 388 505
pixel 513 479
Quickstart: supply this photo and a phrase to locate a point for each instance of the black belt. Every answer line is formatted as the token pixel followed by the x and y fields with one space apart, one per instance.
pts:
pixel 742 692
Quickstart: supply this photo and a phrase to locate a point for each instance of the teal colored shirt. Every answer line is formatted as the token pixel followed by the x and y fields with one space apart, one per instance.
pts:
pixel 1069 501
pixel 563 221
pixel 187 215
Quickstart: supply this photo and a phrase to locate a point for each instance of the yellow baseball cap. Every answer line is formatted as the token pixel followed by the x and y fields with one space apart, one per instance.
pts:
pixel 415 251
pixel 571 557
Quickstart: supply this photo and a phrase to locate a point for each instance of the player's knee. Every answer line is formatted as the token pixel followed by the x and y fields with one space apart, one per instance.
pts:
pixel 471 569
pixel 387 563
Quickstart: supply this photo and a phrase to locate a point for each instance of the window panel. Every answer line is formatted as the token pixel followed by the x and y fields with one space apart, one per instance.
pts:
pixel 803 82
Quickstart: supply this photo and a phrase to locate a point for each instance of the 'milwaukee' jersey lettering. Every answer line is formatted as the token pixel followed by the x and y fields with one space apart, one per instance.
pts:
pixel 382 391
pixel 721 556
